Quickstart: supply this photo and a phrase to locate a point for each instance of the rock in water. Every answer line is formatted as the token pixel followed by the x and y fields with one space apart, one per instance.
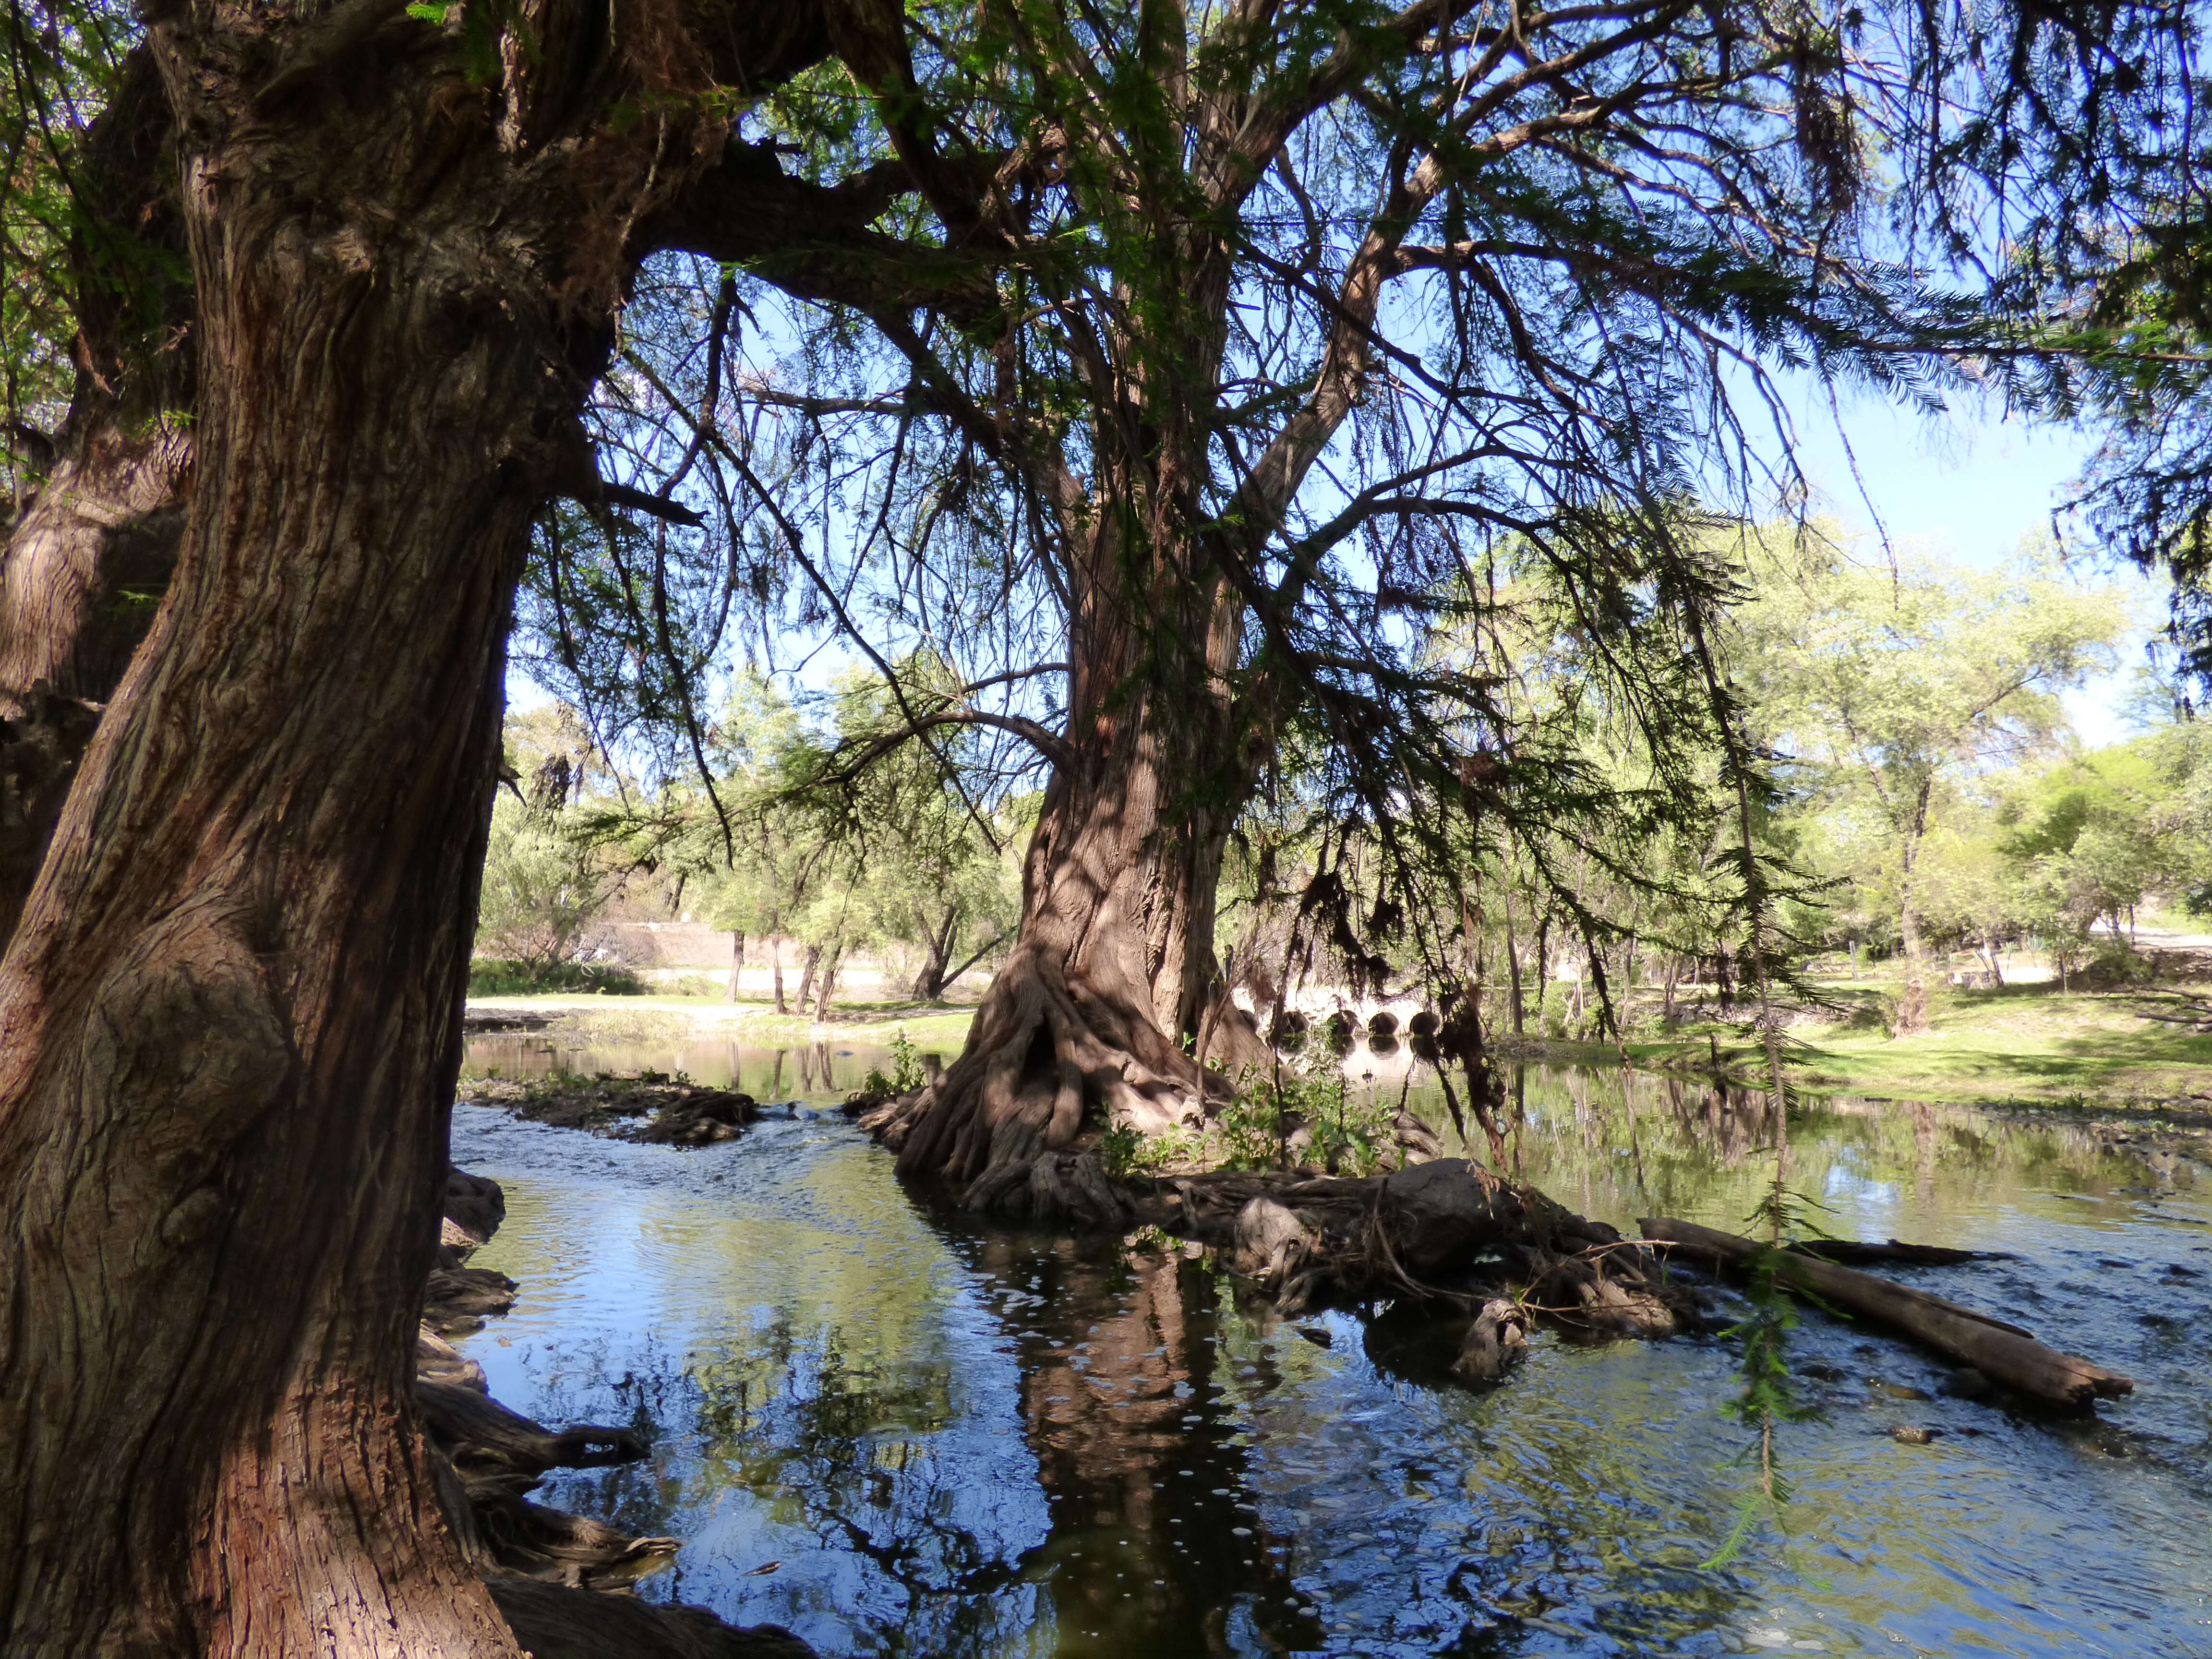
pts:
pixel 1497 1341
pixel 1271 1239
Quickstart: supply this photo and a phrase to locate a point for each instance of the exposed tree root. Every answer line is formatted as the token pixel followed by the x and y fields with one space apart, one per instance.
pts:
pixel 1050 1053
pixel 437 1360
pixel 1055 1058
pixel 457 1300
pixel 1446 1233
pixel 554 1622
pixel 562 1548
pixel 481 1437
pixel 1011 1128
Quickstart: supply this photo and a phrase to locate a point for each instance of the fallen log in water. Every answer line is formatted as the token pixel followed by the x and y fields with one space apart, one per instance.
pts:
pixel 2005 1354
pixel 1850 1251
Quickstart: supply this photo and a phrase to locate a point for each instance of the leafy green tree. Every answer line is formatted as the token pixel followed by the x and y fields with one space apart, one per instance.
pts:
pixel 1255 332
pixel 545 887
pixel 1884 690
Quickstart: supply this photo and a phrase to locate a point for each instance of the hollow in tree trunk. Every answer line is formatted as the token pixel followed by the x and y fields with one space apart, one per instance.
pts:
pixel 828 980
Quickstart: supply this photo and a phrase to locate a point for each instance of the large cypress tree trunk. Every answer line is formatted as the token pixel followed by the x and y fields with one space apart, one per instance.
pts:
pixel 1114 964
pixel 229 1021
pixel 86 559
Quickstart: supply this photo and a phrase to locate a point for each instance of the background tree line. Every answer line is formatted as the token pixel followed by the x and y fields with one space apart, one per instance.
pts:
pixel 904 869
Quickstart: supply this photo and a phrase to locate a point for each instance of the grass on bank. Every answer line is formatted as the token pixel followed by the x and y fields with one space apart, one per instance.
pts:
pixel 2014 1043
pixel 655 1014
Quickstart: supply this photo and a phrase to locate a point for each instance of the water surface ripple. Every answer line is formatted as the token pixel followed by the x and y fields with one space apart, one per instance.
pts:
pixel 898 1435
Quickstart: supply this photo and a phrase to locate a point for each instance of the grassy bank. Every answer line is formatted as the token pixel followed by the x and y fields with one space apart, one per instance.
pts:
pixel 2024 1043
pixel 2018 1043
pixel 669 1017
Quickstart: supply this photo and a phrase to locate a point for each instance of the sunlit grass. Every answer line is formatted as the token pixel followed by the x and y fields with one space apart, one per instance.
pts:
pixel 2026 1042
pixel 755 1019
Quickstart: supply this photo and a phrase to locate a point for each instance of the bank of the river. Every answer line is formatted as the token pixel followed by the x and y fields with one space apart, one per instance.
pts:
pixel 2031 1044
pixel 2024 1045
pixel 643 1019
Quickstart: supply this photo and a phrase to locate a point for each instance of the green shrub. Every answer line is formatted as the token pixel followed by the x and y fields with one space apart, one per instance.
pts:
pixel 907 1073
pixel 493 976
pixel 1120 1150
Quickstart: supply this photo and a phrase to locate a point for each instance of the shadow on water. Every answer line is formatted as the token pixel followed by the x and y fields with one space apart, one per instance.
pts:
pixel 900 1434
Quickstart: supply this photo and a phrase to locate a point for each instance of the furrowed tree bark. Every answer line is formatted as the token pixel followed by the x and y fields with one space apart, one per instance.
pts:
pixel 1114 960
pixel 85 562
pixel 230 1016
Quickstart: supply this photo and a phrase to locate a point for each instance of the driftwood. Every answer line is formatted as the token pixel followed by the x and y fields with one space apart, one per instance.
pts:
pixel 2005 1354
pixel 1850 1251
pixel 553 1621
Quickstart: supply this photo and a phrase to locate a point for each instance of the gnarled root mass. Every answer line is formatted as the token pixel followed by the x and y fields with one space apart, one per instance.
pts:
pixel 1010 1130
pixel 1049 1054
pixel 1013 1128
pixel 547 1571
pixel 1446 1233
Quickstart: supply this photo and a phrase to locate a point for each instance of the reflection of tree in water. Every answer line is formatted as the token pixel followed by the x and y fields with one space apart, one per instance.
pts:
pixel 844 1451
pixel 1151 1545
pixel 1728 1121
pixel 1155 1548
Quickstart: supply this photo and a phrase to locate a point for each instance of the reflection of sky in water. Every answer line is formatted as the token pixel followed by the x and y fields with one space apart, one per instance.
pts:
pixel 958 1441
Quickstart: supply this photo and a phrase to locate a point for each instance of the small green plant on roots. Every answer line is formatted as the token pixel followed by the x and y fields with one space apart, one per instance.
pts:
pixel 1351 1137
pixel 906 1074
pixel 1121 1150
pixel 1255 1129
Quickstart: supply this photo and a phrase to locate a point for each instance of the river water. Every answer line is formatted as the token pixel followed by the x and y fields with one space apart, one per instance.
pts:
pixel 899 1434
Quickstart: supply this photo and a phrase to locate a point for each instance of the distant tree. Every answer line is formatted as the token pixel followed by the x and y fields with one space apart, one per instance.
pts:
pixel 546 885
pixel 1880 687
